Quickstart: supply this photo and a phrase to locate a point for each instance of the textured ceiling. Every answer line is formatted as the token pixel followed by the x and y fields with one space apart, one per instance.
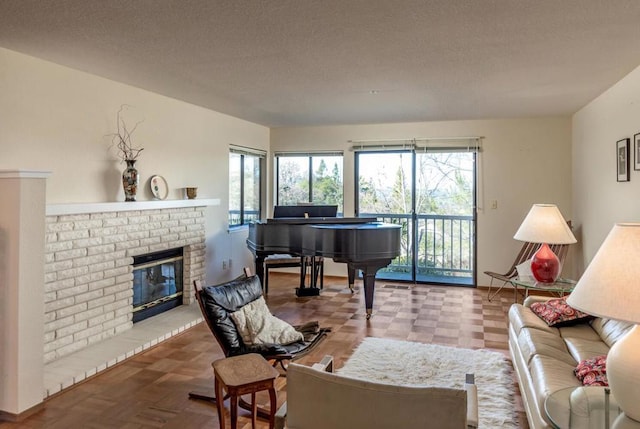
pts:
pixel 317 62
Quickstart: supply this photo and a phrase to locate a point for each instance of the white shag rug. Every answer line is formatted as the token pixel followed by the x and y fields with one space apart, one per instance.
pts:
pixel 409 363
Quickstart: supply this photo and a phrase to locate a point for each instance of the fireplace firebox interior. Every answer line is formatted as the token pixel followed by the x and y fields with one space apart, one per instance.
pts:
pixel 157 283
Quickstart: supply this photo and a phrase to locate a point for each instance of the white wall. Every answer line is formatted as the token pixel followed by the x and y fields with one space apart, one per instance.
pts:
pixel 22 240
pixel 56 119
pixel 599 200
pixel 524 161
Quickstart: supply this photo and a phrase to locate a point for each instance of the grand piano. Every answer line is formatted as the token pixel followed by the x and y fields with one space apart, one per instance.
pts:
pixel 362 243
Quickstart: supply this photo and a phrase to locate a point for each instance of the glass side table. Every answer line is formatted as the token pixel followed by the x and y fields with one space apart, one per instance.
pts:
pixel 559 288
pixel 584 408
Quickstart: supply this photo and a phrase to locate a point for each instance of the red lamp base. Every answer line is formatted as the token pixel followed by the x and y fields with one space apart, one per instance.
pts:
pixel 545 265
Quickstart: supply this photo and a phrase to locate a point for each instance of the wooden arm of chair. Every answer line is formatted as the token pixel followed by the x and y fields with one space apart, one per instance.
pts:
pixel 472 401
pixel 326 364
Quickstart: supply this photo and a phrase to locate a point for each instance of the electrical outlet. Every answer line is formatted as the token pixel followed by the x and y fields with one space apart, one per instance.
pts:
pixel 224 264
pixel 230 263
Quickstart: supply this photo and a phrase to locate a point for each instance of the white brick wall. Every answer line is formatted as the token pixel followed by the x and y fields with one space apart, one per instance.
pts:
pixel 88 269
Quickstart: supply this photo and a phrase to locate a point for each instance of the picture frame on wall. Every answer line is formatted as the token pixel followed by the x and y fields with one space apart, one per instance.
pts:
pixel 622 160
pixel 636 152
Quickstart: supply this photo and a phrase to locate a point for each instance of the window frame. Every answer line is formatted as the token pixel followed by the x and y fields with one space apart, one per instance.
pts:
pixel 310 177
pixel 260 156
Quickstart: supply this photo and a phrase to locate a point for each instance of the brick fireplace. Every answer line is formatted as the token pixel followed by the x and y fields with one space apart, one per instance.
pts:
pixel 89 267
pixel 66 284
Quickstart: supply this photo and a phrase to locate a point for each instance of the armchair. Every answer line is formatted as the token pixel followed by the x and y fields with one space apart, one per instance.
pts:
pixel 319 399
pixel 217 302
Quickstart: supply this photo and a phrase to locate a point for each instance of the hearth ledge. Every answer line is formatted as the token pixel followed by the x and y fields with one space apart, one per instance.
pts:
pixel 81 208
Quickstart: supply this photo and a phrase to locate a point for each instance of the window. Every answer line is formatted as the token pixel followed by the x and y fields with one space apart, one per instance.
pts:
pixel 309 178
pixel 245 179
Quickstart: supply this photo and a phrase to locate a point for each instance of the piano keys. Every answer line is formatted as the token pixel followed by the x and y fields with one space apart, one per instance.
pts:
pixel 362 243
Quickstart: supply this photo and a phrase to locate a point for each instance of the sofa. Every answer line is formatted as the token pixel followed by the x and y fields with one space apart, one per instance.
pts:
pixel 544 358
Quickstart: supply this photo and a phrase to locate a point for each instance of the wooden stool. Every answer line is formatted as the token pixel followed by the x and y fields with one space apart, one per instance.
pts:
pixel 240 375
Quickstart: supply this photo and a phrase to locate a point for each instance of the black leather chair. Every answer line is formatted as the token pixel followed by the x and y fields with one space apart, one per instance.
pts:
pixel 217 302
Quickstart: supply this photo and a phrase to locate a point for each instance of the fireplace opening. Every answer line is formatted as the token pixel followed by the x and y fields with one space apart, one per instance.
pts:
pixel 157 283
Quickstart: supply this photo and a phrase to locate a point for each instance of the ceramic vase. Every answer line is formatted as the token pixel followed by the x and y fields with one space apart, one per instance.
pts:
pixel 130 180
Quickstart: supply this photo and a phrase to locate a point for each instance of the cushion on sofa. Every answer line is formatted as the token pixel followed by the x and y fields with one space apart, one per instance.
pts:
pixel 582 349
pixel 549 375
pixel 556 313
pixel 593 371
pixel 609 330
pixel 582 331
pixel 534 342
pixel 522 317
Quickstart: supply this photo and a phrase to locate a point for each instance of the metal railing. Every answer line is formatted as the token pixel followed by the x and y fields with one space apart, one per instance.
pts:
pixel 249 216
pixel 444 250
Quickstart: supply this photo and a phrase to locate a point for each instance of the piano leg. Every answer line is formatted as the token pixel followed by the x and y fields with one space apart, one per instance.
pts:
pixel 369 285
pixel 351 274
pixel 369 270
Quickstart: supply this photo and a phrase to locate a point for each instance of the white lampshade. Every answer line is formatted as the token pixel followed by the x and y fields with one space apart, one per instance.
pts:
pixel 610 288
pixel 544 224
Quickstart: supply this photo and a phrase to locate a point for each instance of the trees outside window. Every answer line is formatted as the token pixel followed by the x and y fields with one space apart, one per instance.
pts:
pixel 431 194
pixel 245 199
pixel 315 179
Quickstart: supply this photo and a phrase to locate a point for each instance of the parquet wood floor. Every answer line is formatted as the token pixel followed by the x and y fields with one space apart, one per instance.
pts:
pixel 150 390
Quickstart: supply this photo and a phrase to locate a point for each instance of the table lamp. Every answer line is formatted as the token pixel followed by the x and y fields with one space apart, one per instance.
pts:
pixel 544 224
pixel 610 288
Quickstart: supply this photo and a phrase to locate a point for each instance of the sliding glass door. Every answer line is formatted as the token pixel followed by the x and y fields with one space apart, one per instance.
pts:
pixel 431 193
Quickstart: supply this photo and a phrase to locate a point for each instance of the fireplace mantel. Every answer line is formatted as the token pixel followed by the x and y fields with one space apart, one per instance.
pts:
pixel 82 208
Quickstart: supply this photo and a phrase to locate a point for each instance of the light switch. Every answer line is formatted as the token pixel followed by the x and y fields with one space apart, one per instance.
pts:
pixel 494 204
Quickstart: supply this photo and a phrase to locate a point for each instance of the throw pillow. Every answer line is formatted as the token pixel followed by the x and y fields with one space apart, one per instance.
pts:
pixel 556 312
pixel 241 324
pixel 593 372
pixel 257 325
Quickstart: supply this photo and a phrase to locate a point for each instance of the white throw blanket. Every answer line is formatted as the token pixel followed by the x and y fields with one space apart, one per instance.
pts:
pixel 410 363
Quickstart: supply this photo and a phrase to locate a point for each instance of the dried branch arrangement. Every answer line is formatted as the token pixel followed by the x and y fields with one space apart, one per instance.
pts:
pixel 121 139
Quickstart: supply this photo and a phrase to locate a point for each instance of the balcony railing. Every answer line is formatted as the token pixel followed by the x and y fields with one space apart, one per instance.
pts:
pixel 249 216
pixel 444 250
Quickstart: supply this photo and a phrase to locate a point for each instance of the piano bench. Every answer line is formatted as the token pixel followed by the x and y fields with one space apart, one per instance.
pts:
pixel 288 261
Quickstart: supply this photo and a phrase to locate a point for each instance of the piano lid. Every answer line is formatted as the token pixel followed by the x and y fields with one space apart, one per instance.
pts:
pixel 353 242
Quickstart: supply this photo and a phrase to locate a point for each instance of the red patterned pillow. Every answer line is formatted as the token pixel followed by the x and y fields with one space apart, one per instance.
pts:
pixel 593 372
pixel 556 312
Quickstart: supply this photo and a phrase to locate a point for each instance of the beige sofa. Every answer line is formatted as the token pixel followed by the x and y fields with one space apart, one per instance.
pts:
pixel 544 358
pixel 320 399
